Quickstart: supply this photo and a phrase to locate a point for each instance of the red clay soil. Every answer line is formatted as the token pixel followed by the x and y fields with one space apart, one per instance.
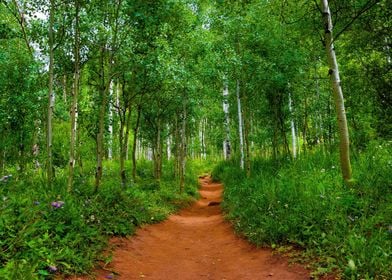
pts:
pixel 196 243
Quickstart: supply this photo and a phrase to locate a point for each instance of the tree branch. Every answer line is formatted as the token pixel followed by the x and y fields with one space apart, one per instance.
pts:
pixel 370 4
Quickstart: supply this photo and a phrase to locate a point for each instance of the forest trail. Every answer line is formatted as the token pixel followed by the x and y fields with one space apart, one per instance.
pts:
pixel 197 243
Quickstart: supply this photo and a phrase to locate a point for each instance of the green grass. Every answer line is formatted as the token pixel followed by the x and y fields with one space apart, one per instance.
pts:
pixel 305 203
pixel 35 235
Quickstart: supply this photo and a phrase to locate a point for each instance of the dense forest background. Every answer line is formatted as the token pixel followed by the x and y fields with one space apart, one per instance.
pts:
pixel 110 109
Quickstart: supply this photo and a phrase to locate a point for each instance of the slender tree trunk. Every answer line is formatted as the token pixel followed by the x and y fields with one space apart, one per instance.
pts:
pixel 65 92
pixel 135 132
pixel 226 143
pixel 122 152
pixel 292 125
pixel 202 128
pixel 247 130
pixel 240 126
pixel 387 51
pixel 158 152
pixel 126 142
pixel 338 94
pixel 275 143
pixel 101 122
pixel 305 126
pixel 283 130
pixel 49 135
pixel 183 147
pixel 74 107
pixel 177 150
pixel 168 144
pixel 110 129
pixel 20 17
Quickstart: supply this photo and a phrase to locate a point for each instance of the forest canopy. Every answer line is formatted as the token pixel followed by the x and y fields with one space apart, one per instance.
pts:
pixel 291 100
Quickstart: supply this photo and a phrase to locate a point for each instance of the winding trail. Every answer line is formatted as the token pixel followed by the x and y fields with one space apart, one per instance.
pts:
pixel 197 243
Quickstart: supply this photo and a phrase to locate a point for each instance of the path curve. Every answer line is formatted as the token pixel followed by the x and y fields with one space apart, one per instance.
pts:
pixel 197 243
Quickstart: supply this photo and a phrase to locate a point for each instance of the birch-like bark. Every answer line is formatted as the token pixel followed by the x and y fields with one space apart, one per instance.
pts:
pixel 74 106
pixel 202 127
pixel 104 88
pixel 246 120
pixel 49 135
pixel 388 51
pixel 183 147
pixel 337 93
pixel 65 88
pixel 101 121
pixel 124 139
pixel 240 126
pixel 305 125
pixel 226 142
pixel 177 150
pixel 135 143
pixel 158 153
pixel 168 144
pixel 110 140
pixel 292 125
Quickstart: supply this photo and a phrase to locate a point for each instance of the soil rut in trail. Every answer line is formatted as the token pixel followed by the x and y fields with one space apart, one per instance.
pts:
pixel 196 244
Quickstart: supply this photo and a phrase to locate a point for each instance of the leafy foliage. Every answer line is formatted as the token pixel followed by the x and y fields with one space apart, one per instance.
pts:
pixel 305 203
pixel 43 229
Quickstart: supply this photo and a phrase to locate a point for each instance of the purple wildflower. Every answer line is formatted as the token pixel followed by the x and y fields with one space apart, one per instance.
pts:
pixel 52 268
pixel 57 204
pixel 110 276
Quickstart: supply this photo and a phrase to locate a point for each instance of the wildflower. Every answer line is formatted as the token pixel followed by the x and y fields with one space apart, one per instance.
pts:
pixel 110 276
pixel 286 205
pixel 57 204
pixel 36 202
pixel 52 268
pixel 92 218
pixel 390 229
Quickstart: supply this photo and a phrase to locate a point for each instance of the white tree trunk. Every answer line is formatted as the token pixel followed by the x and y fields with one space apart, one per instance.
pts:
pixel 51 96
pixel 226 142
pixel 202 127
pixel 149 154
pixel 74 106
pixel 168 144
pixel 338 93
pixel 183 151
pixel 110 140
pixel 240 126
pixel 65 88
pixel 292 125
pixel 388 51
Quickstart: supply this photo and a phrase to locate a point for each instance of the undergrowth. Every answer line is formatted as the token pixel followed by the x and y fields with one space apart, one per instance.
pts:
pixel 304 203
pixel 45 232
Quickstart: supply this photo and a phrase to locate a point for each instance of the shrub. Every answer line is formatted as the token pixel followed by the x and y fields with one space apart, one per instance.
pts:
pixel 306 203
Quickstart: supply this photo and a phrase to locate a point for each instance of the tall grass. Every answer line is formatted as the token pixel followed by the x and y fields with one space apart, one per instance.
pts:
pixel 348 229
pixel 44 232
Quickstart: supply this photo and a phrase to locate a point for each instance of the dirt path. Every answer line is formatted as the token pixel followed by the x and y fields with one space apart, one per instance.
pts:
pixel 195 244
